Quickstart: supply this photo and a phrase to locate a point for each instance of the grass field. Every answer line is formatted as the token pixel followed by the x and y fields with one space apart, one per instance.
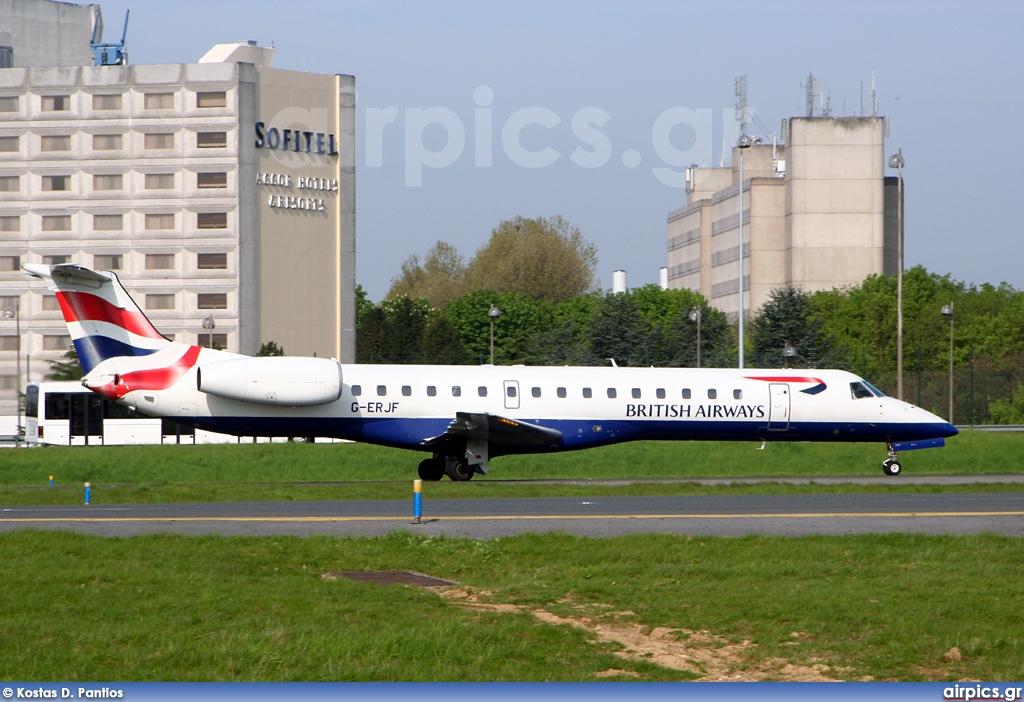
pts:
pixel 882 607
pixel 531 607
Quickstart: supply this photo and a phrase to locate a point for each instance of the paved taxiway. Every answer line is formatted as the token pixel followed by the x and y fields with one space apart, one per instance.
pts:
pixel 791 515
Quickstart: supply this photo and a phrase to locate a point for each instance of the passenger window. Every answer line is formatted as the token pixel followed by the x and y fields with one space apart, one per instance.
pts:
pixel 560 392
pixel 456 391
pixel 482 391
pixel 510 391
pixel 712 394
pixel 535 392
pixel 382 390
pixel 859 391
pixel 660 392
pixel 611 393
pixel 588 393
pixel 357 390
pixel 406 390
pixel 686 393
pixel 737 394
pixel 636 393
pixel 431 391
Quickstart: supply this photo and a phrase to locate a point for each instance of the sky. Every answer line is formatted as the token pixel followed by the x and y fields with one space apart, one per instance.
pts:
pixel 469 113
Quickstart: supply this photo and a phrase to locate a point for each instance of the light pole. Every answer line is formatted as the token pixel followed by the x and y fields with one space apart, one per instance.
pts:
pixel 695 317
pixel 896 161
pixel 492 315
pixel 15 314
pixel 209 325
pixel 787 353
pixel 947 310
pixel 743 143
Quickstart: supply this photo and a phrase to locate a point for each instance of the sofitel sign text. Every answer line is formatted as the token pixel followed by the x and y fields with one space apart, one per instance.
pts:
pixel 295 140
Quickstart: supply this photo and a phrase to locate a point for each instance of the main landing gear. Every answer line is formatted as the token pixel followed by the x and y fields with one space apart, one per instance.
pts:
pixel 439 466
pixel 891 465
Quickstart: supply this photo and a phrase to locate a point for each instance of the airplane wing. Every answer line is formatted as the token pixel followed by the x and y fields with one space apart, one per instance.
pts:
pixel 499 432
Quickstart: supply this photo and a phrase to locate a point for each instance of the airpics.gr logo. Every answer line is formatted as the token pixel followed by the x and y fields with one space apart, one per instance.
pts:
pixel 981 692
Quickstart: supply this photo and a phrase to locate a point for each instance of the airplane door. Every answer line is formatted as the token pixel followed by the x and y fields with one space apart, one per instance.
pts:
pixel 778 414
pixel 511 394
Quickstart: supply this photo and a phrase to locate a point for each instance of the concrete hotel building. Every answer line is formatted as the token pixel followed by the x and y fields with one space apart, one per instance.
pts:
pixel 223 189
pixel 818 213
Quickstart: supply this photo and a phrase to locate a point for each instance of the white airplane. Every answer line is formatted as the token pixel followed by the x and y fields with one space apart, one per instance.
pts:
pixel 464 415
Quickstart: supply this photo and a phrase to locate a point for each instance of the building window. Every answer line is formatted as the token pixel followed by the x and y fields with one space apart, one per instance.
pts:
pixel 212 220
pixel 8 382
pixel 107 262
pixel 107 182
pixel 159 221
pixel 160 302
pixel 56 223
pixel 212 99
pixel 160 141
pixel 159 101
pixel 10 263
pixel 56 142
pixel 212 261
pixel 107 223
pixel 211 140
pixel 56 103
pixel 159 262
pixel 10 184
pixel 212 180
pixel 213 301
pixel 9 300
pixel 56 260
pixel 159 181
pixel 219 341
pixel 50 303
pixel 106 142
pixel 9 144
pixel 8 104
pixel 56 182
pixel 10 224
pixel 56 342
pixel 106 102
pixel 9 342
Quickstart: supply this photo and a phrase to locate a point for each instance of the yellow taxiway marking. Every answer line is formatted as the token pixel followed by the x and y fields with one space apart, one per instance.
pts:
pixel 798 515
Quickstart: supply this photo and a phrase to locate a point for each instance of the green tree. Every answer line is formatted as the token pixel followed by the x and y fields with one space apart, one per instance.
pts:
pixel 545 259
pixel 787 319
pixel 402 336
pixel 441 276
pixel 68 369
pixel 270 348
pixel 522 318
pixel 441 343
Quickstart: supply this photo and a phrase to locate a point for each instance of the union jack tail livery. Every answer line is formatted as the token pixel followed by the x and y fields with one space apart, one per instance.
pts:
pixel 463 416
pixel 102 318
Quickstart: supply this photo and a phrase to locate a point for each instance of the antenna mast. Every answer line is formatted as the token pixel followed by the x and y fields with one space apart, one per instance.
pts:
pixel 812 93
pixel 741 103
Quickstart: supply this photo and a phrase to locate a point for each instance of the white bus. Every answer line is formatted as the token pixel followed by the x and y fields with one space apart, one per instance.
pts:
pixel 65 413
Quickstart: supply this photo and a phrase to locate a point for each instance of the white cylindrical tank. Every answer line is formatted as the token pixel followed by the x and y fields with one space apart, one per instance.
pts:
pixel 663 278
pixel 619 281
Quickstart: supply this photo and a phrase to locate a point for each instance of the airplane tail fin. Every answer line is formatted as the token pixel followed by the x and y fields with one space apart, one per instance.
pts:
pixel 102 318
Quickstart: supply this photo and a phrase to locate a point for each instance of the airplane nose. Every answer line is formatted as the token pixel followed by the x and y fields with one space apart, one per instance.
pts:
pixel 948 429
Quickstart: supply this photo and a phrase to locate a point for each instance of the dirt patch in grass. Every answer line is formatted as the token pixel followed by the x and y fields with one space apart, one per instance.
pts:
pixel 703 653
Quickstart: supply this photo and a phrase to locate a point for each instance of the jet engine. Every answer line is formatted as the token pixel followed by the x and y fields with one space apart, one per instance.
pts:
pixel 273 380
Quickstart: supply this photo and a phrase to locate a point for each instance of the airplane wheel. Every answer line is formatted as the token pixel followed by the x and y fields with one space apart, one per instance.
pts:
pixel 458 470
pixel 431 469
pixel 891 467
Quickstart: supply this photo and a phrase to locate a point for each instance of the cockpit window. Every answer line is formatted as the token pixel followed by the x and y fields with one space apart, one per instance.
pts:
pixel 872 388
pixel 860 390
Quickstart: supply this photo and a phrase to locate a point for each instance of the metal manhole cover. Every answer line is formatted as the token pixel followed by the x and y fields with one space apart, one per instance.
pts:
pixel 389 577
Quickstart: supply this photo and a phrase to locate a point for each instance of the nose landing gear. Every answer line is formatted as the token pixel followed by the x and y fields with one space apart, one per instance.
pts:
pixel 891 465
